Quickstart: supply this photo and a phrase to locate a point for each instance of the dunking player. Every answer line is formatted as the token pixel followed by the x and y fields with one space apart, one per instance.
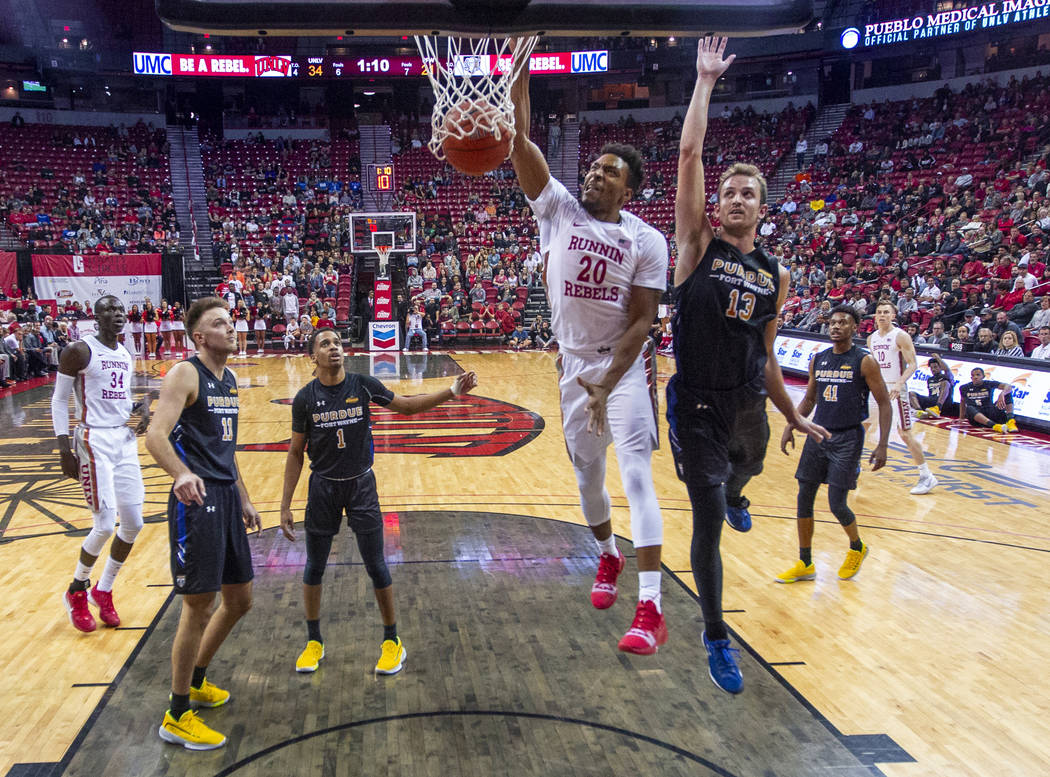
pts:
pixel 98 370
pixel 728 294
pixel 330 421
pixel 606 272
pixel 194 437
pixel 841 378
pixel 895 354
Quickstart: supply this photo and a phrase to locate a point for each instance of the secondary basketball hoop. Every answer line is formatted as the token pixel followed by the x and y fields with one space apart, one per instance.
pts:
pixel 471 78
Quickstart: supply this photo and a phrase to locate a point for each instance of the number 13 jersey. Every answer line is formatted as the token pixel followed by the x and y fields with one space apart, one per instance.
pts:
pixel 591 268
pixel 721 312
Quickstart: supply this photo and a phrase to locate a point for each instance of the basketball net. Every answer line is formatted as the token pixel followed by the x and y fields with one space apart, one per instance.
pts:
pixel 384 257
pixel 473 71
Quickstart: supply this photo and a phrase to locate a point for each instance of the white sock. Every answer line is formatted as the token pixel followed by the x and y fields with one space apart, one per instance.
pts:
pixel 649 588
pixel 608 545
pixel 83 572
pixel 109 574
pixel 924 471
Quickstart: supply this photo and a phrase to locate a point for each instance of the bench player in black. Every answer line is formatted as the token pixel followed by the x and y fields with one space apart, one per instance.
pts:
pixel 194 437
pixel 976 405
pixel 728 293
pixel 840 379
pixel 938 400
pixel 330 422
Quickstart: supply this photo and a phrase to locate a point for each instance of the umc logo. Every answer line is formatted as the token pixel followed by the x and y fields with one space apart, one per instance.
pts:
pixel 590 61
pixel 151 64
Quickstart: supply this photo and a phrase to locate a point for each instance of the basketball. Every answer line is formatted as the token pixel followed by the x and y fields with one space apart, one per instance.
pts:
pixel 470 146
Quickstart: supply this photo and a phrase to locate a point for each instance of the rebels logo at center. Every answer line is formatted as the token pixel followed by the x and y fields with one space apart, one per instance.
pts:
pixel 466 426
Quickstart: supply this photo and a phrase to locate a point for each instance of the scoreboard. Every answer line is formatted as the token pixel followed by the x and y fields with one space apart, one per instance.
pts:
pixel 381 177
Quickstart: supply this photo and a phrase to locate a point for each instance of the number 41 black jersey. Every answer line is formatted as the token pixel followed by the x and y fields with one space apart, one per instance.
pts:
pixel 336 422
pixel 720 319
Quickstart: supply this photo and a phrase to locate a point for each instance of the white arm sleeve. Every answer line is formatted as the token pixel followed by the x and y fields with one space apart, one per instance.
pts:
pixel 60 404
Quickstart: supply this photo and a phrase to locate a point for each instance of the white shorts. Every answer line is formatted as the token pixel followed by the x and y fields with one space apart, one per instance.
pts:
pixel 240 325
pixel 108 458
pixel 903 415
pixel 631 406
pixel 150 328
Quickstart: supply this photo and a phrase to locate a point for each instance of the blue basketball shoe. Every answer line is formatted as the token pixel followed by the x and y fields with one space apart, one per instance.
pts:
pixel 721 665
pixel 738 516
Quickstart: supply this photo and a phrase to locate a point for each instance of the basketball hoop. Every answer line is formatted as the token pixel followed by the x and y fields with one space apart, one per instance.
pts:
pixel 384 256
pixel 474 71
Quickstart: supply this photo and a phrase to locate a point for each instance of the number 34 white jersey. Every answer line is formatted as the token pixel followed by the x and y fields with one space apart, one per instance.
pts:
pixel 103 388
pixel 591 268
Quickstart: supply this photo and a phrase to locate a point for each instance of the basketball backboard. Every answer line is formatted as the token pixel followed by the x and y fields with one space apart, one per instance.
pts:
pixel 486 17
pixel 371 230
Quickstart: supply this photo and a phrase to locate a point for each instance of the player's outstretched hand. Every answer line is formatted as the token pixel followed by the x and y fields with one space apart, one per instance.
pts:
pixel 878 458
pixel 251 518
pixel 786 439
pixel 465 383
pixel 709 61
pixel 287 524
pixel 189 488
pixel 598 396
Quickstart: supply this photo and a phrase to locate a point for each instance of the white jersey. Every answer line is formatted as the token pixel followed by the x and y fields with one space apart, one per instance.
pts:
pixel 103 388
pixel 888 354
pixel 591 268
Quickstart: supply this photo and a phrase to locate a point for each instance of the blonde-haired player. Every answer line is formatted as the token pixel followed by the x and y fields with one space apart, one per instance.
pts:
pixel 895 354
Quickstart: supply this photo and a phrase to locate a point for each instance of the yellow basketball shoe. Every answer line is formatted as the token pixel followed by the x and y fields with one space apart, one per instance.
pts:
pixel 854 558
pixel 1011 425
pixel 190 732
pixel 208 695
pixel 310 657
pixel 798 571
pixel 393 657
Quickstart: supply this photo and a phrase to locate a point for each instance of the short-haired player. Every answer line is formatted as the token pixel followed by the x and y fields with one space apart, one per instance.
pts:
pixel 840 380
pixel 605 274
pixel 894 352
pixel 99 372
pixel 331 423
pixel 194 438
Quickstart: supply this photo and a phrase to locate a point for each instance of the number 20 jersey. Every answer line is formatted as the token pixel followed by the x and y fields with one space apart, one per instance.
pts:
pixel 721 312
pixel 591 268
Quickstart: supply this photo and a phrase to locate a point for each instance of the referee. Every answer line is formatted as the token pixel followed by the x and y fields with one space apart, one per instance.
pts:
pixel 330 420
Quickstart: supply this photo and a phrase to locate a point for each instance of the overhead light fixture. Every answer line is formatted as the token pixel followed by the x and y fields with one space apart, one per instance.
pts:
pixel 368 92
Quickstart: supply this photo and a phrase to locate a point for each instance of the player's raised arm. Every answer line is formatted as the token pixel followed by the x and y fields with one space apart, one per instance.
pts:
pixel 464 383
pixel 692 228
pixel 529 164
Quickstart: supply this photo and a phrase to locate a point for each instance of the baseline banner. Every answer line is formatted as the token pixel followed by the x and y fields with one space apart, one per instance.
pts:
pixel 1031 385
pixel 9 271
pixel 71 277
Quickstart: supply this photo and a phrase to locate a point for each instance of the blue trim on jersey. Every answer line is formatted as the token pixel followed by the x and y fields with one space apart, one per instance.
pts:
pixel 181 531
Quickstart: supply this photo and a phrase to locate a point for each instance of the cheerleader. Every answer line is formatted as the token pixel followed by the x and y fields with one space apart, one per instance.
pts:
pixel 178 327
pixel 258 315
pixel 135 327
pixel 240 325
pixel 149 328
pixel 164 316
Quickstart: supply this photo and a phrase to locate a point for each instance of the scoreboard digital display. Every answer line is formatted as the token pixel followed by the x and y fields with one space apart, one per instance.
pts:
pixel 381 177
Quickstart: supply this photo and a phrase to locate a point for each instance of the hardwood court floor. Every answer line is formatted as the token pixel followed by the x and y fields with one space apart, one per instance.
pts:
pixel 933 653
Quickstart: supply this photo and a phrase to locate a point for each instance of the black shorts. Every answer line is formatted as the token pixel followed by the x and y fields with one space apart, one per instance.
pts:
pixel 328 500
pixel 993 414
pixel 209 544
pixel 835 461
pixel 716 433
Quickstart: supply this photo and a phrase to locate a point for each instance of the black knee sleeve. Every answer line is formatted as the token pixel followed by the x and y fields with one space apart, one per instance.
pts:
pixel 318 546
pixel 807 497
pixel 370 544
pixel 837 502
pixel 709 512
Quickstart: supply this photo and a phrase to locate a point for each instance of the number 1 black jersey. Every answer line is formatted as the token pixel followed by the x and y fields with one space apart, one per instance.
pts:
pixel 336 422
pixel 720 319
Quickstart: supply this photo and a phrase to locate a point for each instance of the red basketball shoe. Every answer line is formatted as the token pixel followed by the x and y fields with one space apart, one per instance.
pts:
pixel 603 592
pixel 647 632
pixel 80 616
pixel 104 601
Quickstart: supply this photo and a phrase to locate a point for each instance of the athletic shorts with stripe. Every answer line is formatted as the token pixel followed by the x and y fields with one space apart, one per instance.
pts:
pixel 209 544
pixel 835 461
pixel 630 409
pixel 328 500
pixel 903 413
pixel 108 458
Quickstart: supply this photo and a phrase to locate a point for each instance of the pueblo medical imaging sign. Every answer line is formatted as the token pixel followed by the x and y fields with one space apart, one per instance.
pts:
pixel 245 66
pixel 936 25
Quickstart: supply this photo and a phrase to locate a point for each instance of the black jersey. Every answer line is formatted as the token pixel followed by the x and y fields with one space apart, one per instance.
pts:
pixel 981 396
pixel 941 384
pixel 205 436
pixel 720 318
pixel 842 390
pixel 336 422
